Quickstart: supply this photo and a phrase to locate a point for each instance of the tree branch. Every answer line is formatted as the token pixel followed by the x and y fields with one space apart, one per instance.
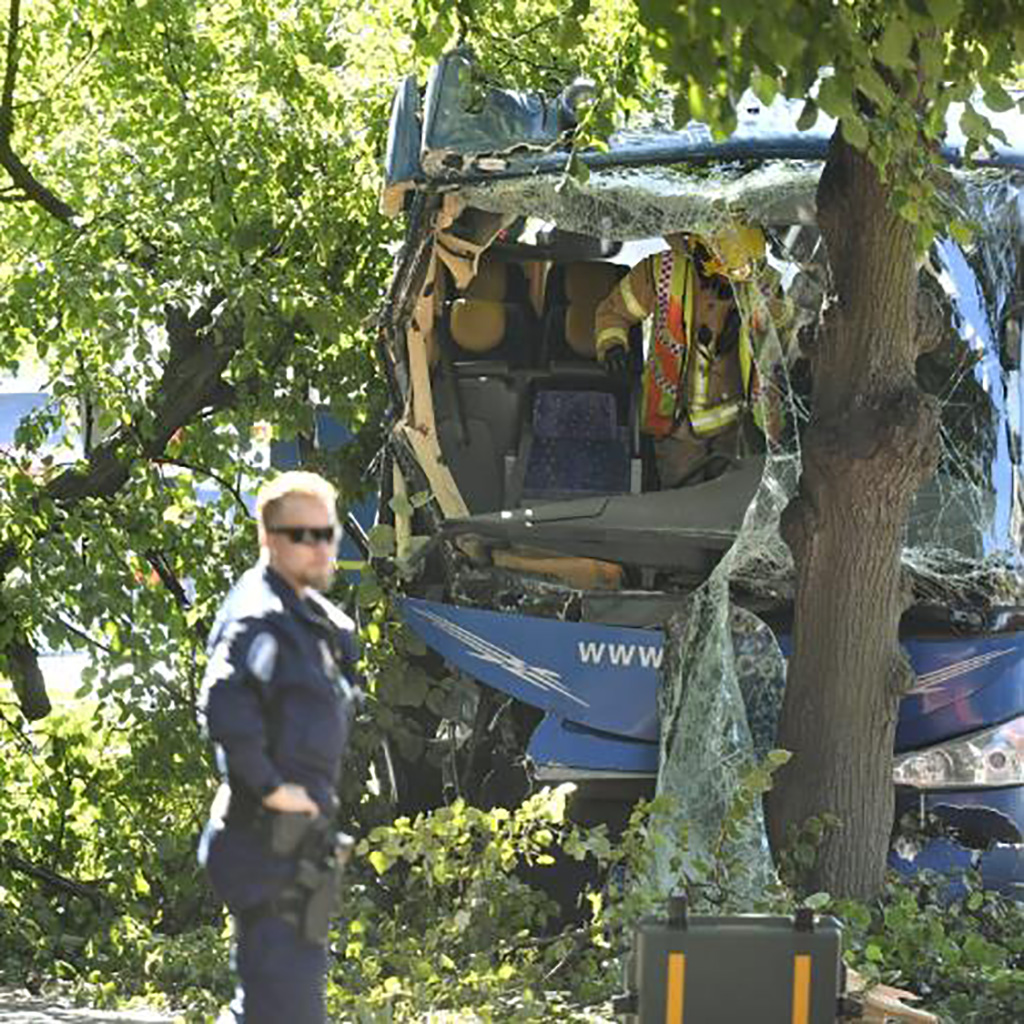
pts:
pixel 80 633
pixel 191 382
pixel 23 178
pixel 84 890
pixel 203 471
pixel 10 69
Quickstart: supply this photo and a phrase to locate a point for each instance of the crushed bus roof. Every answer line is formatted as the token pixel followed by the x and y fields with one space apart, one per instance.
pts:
pixel 454 135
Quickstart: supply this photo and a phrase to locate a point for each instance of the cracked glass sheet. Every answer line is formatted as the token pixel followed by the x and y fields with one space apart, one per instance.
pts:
pixel 724 675
pixel 966 529
pixel 631 203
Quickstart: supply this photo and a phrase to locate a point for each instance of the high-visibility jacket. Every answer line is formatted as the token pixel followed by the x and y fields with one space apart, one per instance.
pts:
pixel 683 379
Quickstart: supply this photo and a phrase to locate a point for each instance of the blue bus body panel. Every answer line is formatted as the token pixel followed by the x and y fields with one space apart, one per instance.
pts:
pixel 564 668
pixel 1001 867
pixel 598 686
pixel 962 685
pixel 559 744
pixel 605 678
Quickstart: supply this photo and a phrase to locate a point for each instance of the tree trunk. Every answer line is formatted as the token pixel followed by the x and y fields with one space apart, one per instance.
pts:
pixel 871 443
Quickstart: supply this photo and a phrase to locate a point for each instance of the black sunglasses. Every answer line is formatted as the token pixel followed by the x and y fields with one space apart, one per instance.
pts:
pixel 307 534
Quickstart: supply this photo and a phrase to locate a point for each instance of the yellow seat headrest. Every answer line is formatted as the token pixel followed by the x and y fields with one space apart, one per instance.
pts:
pixel 586 285
pixel 477 325
pixel 491 282
pixel 579 330
pixel 589 283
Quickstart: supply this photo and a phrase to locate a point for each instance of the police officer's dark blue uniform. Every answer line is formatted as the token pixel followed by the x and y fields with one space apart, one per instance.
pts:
pixel 276 700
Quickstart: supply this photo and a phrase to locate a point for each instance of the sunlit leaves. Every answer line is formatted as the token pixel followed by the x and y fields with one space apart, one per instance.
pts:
pixel 886 72
pixel 222 157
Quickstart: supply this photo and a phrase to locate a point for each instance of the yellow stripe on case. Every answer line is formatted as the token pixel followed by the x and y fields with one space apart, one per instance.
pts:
pixel 676 988
pixel 801 989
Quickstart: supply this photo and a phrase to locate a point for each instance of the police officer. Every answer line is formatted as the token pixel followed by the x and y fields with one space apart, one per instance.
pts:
pixel 276 702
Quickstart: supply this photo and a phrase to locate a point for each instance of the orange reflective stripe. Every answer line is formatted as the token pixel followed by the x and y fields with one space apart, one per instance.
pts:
pixel 669 349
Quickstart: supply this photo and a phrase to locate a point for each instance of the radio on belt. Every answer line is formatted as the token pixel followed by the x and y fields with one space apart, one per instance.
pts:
pixel 693 969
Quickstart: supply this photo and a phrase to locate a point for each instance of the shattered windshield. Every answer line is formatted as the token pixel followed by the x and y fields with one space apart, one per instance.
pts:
pixel 724 673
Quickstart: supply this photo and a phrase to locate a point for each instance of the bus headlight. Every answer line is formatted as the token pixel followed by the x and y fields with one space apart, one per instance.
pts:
pixel 992 757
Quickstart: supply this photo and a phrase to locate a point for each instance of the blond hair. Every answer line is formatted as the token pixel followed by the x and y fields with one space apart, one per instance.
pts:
pixel 300 482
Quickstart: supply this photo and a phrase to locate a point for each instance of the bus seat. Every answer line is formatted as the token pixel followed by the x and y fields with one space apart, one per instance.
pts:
pixel 576 291
pixel 477 326
pixel 492 319
pixel 575 447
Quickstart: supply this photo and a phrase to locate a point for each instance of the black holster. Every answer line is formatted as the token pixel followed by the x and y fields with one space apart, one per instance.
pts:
pixel 310 900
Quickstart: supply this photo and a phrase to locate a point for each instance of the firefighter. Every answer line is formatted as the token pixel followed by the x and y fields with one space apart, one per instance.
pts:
pixel 277 700
pixel 699 381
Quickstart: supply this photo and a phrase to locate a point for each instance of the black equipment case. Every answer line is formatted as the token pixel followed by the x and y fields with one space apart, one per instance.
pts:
pixel 749 969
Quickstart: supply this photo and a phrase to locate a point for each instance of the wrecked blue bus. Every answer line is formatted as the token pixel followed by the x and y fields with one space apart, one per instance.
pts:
pixel 540 561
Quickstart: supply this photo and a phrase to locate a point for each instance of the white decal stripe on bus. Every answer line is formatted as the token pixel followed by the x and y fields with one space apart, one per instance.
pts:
pixel 544 678
pixel 959 668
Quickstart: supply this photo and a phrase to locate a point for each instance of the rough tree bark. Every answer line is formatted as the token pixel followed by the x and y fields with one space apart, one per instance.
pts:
pixel 871 443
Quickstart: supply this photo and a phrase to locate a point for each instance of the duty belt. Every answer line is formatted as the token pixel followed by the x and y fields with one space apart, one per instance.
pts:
pixel 310 899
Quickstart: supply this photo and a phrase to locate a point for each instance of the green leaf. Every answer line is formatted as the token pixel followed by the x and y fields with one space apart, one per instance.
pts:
pixel 944 12
pixel 997 99
pixel 894 47
pixel 382 540
pixel 379 862
pixel 369 592
pixel 855 131
pixel 695 100
pixel 401 506
pixel 577 169
pixel 834 99
pixel 961 231
pixel 571 34
pixel 765 87
pixel 871 83
pixel 974 125
pixel 808 116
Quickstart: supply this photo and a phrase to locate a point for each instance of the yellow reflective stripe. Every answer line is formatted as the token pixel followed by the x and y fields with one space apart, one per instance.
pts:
pixel 746 357
pixel 801 989
pixel 712 421
pixel 608 337
pixel 685 270
pixel 699 385
pixel 682 285
pixel 633 307
pixel 676 988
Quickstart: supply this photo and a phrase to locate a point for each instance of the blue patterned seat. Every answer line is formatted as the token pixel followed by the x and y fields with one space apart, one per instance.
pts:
pixel 578 448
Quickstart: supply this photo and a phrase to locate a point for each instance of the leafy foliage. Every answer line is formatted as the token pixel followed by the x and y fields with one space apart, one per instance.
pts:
pixel 192 256
pixel 888 74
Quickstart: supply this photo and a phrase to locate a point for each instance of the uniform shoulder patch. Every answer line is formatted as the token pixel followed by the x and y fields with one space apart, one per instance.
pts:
pixel 262 656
